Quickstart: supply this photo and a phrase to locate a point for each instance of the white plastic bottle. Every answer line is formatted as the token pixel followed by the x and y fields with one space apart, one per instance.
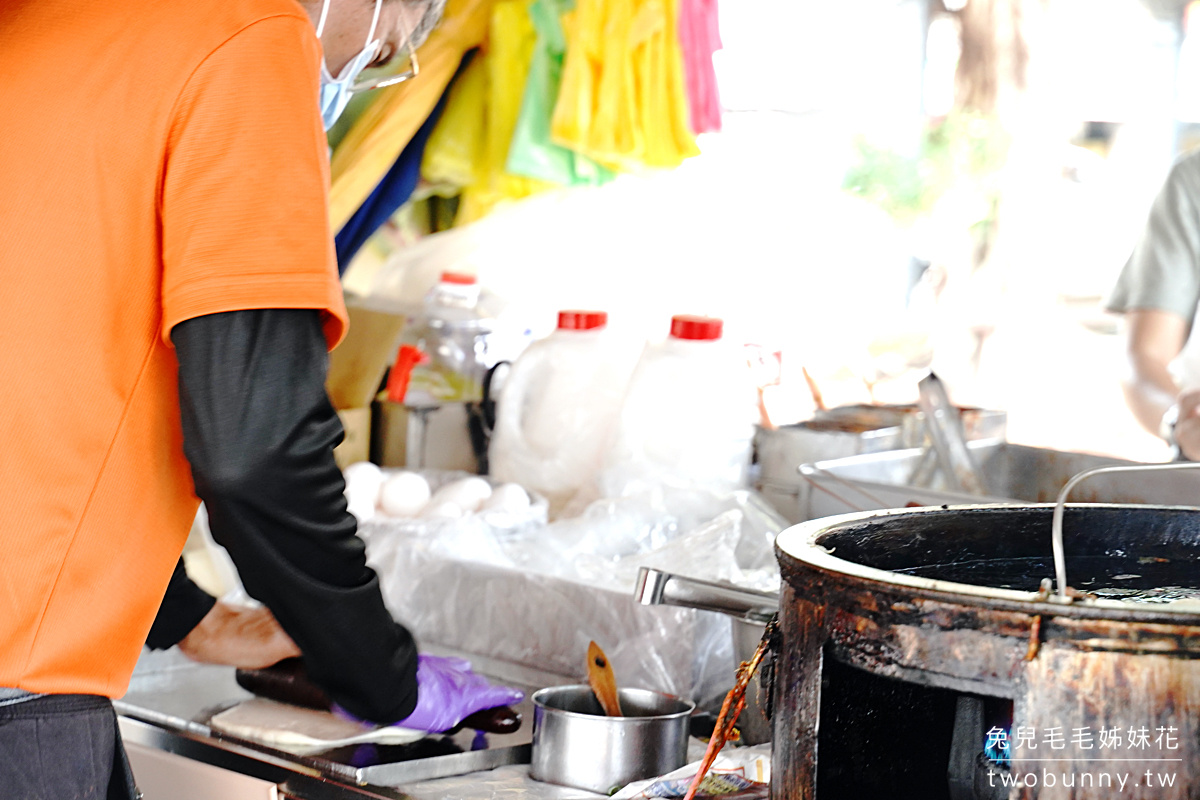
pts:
pixel 557 407
pixel 688 417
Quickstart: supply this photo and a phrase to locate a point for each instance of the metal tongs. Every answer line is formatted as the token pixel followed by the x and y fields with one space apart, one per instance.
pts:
pixel 944 423
pixel 1064 591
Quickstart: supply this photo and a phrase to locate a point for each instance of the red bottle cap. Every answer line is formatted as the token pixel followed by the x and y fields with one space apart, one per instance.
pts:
pixel 686 326
pixel 463 278
pixel 581 320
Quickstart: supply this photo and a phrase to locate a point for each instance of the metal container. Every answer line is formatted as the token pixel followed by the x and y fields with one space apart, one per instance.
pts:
pixel 849 431
pixel 574 744
pixel 1010 472
pixel 894 624
pixel 750 611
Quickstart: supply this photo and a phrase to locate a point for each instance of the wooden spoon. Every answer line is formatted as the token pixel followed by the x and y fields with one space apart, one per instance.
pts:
pixel 602 680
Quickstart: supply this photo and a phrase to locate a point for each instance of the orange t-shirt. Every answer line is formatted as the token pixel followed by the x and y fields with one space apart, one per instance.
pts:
pixel 162 160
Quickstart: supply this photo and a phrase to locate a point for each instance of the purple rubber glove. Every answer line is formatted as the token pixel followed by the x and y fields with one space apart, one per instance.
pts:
pixel 448 692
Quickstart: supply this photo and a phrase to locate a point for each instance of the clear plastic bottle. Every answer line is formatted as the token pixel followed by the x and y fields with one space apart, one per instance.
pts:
pixel 452 333
pixel 557 407
pixel 687 420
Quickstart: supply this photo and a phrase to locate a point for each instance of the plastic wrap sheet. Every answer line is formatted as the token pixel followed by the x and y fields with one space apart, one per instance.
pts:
pixel 546 621
pixel 513 588
pixel 726 536
pixel 537 594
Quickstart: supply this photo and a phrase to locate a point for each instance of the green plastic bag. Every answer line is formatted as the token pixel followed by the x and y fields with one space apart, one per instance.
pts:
pixel 532 154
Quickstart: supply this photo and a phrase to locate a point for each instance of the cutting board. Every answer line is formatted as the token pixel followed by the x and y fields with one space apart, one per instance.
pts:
pixel 301 730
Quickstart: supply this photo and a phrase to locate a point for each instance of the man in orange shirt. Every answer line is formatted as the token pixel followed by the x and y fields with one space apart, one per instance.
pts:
pixel 169 287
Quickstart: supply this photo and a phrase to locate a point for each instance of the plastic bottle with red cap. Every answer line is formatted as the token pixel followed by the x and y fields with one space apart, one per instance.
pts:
pixel 557 407
pixel 687 420
pixel 451 335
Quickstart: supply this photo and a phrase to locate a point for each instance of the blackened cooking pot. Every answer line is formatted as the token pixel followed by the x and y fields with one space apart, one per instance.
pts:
pixel 890 619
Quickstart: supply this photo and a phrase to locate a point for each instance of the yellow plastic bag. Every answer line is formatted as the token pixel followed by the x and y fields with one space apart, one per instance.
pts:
pixel 511 39
pixel 455 149
pixel 658 70
pixel 372 145
pixel 532 153
pixel 623 100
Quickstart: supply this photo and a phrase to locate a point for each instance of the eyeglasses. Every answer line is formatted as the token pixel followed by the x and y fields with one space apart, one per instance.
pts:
pixel 396 70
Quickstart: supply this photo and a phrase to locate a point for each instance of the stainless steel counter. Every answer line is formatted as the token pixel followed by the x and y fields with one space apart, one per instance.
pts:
pixel 171 700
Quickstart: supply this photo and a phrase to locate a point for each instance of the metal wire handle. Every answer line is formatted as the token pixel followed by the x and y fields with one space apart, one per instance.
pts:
pixel 1060 558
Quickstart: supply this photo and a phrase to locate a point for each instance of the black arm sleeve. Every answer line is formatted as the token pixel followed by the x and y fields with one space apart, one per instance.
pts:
pixel 259 431
pixel 183 606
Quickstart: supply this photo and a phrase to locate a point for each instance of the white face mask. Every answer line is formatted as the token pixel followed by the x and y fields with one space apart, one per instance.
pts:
pixel 336 92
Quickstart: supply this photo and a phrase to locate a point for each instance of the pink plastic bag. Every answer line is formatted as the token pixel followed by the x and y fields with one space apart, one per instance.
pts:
pixel 699 38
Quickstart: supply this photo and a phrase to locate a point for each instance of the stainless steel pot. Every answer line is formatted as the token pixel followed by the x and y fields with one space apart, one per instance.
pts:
pixel 574 744
pixel 888 619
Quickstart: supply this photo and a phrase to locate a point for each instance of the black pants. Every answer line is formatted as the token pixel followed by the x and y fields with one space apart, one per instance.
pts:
pixel 63 747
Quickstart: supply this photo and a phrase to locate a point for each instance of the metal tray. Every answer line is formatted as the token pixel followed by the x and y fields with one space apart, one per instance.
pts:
pixel 1011 473
pixel 179 696
pixel 850 431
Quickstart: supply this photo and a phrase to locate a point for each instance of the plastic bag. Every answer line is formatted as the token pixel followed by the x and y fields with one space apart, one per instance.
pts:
pixel 370 147
pixel 742 773
pixel 455 147
pixel 701 534
pixel 537 595
pixel 623 100
pixel 511 38
pixel 532 153
pixel 699 38
pixel 659 73
pixel 545 622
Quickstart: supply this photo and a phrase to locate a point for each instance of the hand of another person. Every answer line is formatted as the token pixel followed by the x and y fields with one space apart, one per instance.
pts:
pixel 448 691
pixel 239 636
pixel 1187 426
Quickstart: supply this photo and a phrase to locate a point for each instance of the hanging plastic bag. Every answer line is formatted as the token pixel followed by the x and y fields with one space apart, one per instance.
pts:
pixel 511 38
pixel 659 74
pixel 623 100
pixel 532 153
pixel 376 138
pixel 699 38
pixel 455 149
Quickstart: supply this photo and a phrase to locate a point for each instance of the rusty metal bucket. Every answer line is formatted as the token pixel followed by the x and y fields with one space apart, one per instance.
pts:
pixel 890 620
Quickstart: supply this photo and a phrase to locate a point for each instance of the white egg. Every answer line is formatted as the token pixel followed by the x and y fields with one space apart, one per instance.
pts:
pixel 510 498
pixel 363 480
pixel 403 494
pixel 443 509
pixel 467 493
pixel 361 469
pixel 363 511
pixel 363 477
